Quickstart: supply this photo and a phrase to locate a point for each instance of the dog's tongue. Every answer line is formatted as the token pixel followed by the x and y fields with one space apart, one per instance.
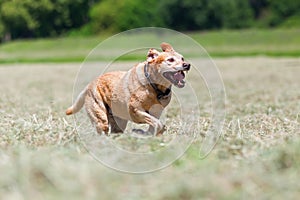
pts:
pixel 179 76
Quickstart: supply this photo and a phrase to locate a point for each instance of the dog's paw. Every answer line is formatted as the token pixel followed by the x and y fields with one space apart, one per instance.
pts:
pixel 141 132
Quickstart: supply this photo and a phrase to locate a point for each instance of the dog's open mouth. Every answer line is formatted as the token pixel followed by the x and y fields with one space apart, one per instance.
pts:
pixel 176 78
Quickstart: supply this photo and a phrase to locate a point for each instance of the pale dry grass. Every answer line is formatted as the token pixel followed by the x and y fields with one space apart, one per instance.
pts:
pixel 257 156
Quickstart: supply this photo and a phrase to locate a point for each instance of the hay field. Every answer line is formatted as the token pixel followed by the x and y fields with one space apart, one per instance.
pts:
pixel 257 156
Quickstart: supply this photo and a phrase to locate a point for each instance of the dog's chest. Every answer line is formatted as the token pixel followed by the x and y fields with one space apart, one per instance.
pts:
pixel 165 100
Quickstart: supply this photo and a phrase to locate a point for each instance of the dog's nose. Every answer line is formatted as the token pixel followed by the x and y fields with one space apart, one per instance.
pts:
pixel 186 66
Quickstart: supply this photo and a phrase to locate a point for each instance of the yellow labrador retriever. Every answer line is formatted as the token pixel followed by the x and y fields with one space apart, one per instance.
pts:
pixel 138 95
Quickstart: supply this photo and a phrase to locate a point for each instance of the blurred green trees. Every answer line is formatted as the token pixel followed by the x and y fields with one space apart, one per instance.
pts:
pixel 41 18
pixel 120 15
pixel 206 14
pixel 282 10
pixel 44 18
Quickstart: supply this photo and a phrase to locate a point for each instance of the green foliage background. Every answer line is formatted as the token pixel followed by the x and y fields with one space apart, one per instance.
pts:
pixel 47 18
pixel 41 18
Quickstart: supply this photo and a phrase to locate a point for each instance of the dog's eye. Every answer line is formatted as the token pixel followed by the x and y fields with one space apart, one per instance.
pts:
pixel 171 60
pixel 182 59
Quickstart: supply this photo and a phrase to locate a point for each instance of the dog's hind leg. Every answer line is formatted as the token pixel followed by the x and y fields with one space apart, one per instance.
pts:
pixel 97 112
pixel 117 125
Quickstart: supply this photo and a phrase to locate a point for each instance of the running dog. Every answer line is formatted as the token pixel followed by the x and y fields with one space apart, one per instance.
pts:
pixel 138 95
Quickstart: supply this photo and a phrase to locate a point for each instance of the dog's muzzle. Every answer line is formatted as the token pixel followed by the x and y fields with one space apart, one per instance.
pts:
pixel 177 77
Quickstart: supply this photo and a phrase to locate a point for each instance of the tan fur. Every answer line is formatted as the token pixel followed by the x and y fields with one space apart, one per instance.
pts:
pixel 116 97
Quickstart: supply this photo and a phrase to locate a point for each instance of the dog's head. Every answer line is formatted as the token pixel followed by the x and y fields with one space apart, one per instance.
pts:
pixel 169 64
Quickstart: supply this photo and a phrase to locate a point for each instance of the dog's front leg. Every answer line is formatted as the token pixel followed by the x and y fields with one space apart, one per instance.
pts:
pixel 156 111
pixel 140 116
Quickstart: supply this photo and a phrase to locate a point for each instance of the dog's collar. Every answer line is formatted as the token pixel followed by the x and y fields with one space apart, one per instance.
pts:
pixel 160 94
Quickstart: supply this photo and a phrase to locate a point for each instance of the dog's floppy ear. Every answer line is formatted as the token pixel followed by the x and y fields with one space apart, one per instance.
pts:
pixel 152 54
pixel 166 47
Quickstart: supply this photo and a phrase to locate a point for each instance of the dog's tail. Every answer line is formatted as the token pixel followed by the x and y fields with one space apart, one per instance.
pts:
pixel 78 103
